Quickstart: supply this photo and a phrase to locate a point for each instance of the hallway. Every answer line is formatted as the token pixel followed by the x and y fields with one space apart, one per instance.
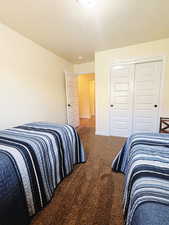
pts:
pixel 88 122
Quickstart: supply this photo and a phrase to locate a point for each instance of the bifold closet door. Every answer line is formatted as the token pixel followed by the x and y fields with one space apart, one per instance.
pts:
pixel 121 100
pixel 146 97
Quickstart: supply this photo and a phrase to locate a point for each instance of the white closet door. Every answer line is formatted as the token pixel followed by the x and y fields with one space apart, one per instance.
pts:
pixel 147 97
pixel 121 100
pixel 72 99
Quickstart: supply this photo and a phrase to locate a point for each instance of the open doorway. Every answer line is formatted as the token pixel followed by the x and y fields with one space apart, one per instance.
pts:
pixel 86 89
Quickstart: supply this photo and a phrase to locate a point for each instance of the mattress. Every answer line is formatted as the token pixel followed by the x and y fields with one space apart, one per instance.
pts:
pixel 144 160
pixel 34 159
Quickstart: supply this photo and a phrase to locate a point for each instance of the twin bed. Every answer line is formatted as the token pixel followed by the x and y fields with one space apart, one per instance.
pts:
pixel 34 158
pixel 144 160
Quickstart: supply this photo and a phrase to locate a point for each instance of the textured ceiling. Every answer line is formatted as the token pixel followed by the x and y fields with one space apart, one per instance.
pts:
pixel 70 30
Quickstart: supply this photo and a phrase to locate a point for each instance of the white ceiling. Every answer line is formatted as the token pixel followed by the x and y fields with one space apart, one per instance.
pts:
pixel 70 30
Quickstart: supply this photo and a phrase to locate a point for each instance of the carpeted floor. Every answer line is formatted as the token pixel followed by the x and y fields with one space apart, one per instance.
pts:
pixel 92 194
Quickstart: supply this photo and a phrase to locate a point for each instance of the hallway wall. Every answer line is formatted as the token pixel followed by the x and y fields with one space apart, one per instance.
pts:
pixel 92 96
pixel 86 95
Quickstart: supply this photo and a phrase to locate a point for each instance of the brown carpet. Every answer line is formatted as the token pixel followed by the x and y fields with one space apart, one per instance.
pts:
pixel 92 194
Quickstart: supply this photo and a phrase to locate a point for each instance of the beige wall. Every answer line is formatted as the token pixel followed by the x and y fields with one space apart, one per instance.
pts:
pixel 103 62
pixel 92 96
pixel 31 81
pixel 84 68
pixel 85 95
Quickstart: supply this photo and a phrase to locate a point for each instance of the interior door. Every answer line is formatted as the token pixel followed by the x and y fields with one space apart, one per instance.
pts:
pixel 121 100
pixel 72 99
pixel 147 97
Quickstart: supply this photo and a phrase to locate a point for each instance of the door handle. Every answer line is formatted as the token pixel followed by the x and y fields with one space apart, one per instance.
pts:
pixel 112 105
pixel 69 105
pixel 155 106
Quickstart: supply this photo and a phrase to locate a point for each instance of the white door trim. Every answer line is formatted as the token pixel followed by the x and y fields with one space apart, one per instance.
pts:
pixel 134 61
pixel 138 60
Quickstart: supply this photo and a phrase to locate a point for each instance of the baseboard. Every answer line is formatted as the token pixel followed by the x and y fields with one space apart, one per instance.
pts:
pixel 85 117
pixel 101 133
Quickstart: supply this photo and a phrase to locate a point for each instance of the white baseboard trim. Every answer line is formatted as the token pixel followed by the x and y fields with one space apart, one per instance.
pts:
pixel 85 117
pixel 101 133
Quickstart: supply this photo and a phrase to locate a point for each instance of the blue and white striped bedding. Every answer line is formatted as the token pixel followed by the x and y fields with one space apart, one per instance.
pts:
pixel 144 160
pixel 34 158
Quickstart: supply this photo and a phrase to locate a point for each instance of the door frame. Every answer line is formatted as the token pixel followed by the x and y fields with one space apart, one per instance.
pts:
pixel 77 75
pixel 134 61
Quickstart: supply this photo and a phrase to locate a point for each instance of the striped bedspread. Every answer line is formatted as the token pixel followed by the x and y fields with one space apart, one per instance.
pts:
pixel 144 160
pixel 34 158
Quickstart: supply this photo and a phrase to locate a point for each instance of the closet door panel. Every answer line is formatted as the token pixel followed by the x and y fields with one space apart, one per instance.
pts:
pixel 146 97
pixel 121 100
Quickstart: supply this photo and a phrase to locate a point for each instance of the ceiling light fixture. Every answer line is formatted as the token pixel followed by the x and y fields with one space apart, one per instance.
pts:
pixel 87 3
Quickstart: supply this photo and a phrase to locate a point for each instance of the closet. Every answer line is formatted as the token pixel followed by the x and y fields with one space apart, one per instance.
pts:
pixel 135 97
